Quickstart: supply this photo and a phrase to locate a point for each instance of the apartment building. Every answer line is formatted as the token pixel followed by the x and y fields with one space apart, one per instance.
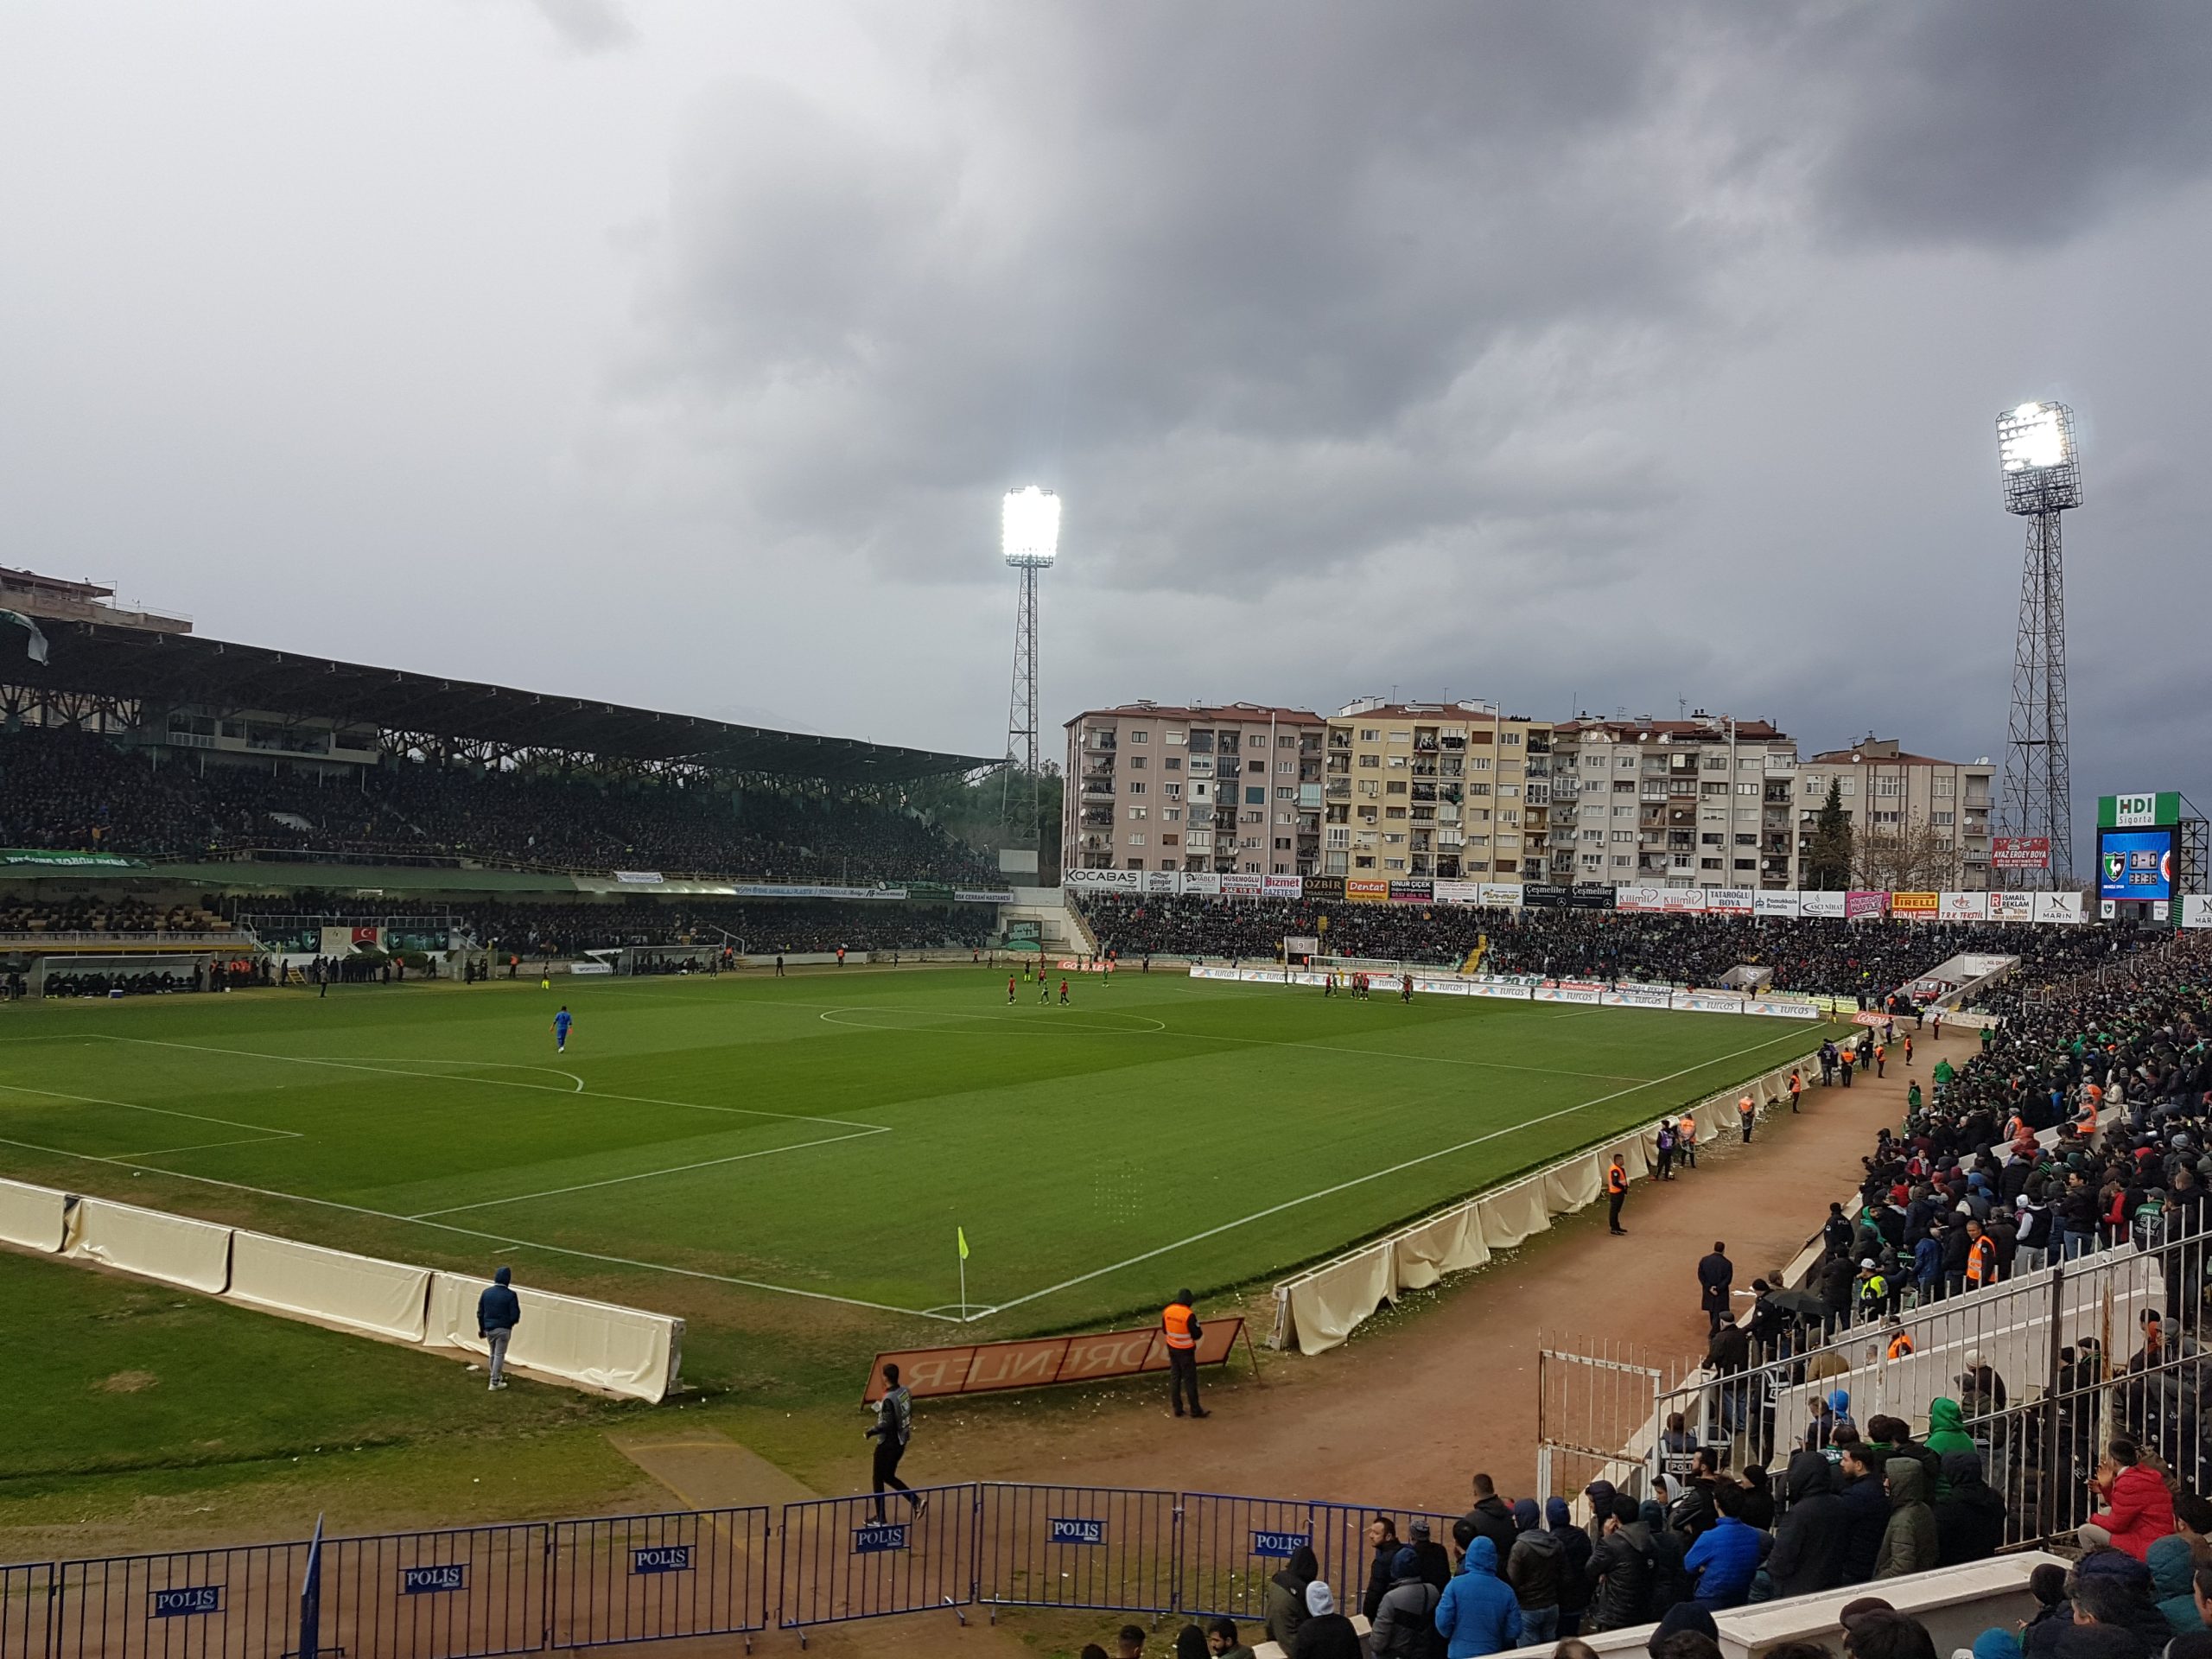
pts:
pixel 1917 823
pixel 1700 802
pixel 1435 789
pixel 1235 788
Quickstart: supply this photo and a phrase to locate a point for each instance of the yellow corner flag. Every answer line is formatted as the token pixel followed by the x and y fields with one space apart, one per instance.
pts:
pixel 961 1233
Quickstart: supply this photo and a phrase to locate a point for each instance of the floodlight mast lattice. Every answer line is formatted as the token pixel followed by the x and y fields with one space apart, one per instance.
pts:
pixel 1029 538
pixel 2042 479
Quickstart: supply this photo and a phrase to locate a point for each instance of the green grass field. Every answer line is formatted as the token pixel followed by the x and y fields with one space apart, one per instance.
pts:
pixel 815 1141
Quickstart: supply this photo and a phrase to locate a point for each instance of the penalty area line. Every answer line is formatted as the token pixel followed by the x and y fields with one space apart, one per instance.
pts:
pixel 1380 1174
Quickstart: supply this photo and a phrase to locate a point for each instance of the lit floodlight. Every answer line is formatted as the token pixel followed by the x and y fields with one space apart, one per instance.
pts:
pixel 1029 527
pixel 2035 448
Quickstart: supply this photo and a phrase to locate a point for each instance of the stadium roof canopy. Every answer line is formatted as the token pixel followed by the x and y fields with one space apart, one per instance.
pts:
pixel 96 660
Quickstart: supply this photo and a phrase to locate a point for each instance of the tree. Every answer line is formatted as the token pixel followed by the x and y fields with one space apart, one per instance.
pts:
pixel 1910 858
pixel 1827 866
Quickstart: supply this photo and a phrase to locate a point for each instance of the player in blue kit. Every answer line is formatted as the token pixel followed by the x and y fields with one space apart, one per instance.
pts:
pixel 562 1021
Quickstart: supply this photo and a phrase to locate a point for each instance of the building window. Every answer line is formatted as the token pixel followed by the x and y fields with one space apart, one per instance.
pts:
pixel 1946 785
pixel 1171 763
pixel 1136 789
pixel 1136 763
pixel 1173 739
pixel 1284 792
pixel 1167 840
pixel 1942 817
pixel 1370 735
pixel 1136 812
pixel 1136 838
pixel 1143 737
pixel 1171 814
pixel 1889 786
pixel 1371 762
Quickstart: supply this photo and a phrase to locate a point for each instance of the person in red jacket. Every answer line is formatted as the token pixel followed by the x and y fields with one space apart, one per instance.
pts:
pixel 2139 1507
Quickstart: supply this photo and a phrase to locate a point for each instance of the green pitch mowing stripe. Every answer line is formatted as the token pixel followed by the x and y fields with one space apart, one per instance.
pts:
pixel 823 1136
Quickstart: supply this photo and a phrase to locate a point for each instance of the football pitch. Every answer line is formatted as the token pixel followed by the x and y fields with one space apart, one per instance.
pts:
pixel 817 1139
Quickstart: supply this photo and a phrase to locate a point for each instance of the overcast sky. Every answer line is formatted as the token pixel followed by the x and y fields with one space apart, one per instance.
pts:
pixel 1573 355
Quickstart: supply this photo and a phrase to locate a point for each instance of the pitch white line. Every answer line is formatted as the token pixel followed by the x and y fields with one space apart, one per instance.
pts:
pixel 507 1239
pixel 478 1066
pixel 164 1111
pixel 498 1082
pixel 206 1146
pixel 830 1016
pixel 1394 1169
pixel 650 1175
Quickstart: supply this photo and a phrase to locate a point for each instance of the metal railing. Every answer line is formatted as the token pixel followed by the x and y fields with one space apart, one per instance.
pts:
pixel 481 1592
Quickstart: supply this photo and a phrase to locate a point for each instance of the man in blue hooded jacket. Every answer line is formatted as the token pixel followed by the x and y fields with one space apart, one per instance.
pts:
pixel 499 1310
pixel 1477 1614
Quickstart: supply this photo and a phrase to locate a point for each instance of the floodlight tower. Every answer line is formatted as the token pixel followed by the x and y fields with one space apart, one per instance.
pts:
pixel 1029 536
pixel 2042 479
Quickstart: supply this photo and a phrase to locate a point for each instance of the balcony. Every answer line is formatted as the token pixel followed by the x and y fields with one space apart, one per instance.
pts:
pixel 1099 785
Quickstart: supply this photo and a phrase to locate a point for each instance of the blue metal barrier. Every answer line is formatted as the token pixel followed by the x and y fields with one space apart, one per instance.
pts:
pixel 1076 1547
pixel 838 1561
pixel 189 1603
pixel 470 1592
pixel 1230 1547
pixel 26 1611
pixel 646 1578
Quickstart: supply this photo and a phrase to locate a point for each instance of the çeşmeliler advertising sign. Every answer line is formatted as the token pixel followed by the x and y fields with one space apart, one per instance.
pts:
pixel 2135 864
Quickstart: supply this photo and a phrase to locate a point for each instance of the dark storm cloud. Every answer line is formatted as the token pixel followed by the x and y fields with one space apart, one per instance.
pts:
pixel 2007 125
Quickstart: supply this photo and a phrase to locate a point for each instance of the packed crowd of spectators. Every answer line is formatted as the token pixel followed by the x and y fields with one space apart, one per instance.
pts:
pixel 77 792
pixel 534 931
pixel 1816 955
pixel 79 914
pixel 1518 1574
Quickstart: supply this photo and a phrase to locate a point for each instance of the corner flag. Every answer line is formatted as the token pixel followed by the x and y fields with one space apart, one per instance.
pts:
pixel 961 1233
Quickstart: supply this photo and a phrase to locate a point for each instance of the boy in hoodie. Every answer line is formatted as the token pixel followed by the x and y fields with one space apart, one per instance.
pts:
pixel 1535 1567
pixel 1909 1542
pixel 1575 1586
pixel 1406 1617
pixel 1970 1515
pixel 1946 1428
pixel 1811 1543
pixel 1477 1614
pixel 2172 1580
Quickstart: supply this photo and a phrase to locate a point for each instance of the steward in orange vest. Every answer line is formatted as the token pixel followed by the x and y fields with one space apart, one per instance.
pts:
pixel 1616 1189
pixel 1180 1324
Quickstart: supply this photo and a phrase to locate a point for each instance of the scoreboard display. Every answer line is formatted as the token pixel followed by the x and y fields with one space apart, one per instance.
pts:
pixel 2136 865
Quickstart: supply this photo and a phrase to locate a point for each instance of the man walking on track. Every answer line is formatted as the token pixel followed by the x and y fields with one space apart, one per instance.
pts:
pixel 1716 1274
pixel 894 1427
pixel 562 1021
pixel 1180 1322
pixel 1616 1190
pixel 499 1310
pixel 1747 1110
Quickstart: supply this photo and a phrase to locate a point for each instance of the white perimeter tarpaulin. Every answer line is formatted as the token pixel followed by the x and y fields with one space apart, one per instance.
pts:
pixel 1318 1308
pixel 33 1216
pixel 621 1350
pixel 176 1250
pixel 336 1286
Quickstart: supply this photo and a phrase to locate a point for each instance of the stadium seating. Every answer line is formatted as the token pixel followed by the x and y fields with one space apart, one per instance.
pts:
pixel 1814 955
pixel 77 792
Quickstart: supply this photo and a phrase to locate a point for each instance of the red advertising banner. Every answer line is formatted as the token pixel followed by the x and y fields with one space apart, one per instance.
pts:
pixel 2020 852
pixel 987 1367
pixel 1860 902
pixel 1915 904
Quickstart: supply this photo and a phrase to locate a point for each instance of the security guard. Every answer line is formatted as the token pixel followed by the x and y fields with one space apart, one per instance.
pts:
pixel 1981 1256
pixel 1747 1114
pixel 1900 1344
pixel 1180 1324
pixel 1687 1126
pixel 1796 1086
pixel 1616 1190
pixel 1874 1289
